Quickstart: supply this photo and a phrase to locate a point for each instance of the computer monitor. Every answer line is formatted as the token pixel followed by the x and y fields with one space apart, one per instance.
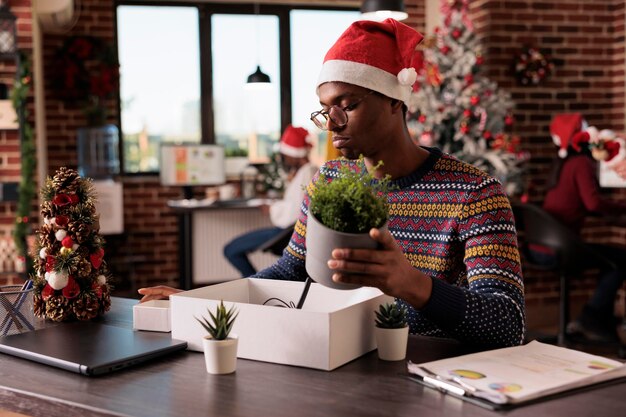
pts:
pixel 187 165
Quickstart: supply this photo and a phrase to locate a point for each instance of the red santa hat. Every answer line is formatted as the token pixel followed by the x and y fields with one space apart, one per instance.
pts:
pixel 563 128
pixel 295 142
pixel 374 55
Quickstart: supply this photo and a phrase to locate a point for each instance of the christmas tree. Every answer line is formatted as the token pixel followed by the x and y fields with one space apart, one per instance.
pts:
pixel 460 111
pixel 71 274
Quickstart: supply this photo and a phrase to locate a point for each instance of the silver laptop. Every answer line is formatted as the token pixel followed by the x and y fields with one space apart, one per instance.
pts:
pixel 89 348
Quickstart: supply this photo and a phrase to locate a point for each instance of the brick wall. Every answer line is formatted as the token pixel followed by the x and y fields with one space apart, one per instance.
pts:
pixel 10 155
pixel 586 40
pixel 585 37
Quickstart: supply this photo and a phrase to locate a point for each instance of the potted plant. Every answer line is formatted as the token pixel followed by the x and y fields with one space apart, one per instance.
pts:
pixel 341 214
pixel 391 332
pixel 220 347
pixel 236 160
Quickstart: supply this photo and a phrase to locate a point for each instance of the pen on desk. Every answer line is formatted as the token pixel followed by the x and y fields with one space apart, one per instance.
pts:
pixel 444 385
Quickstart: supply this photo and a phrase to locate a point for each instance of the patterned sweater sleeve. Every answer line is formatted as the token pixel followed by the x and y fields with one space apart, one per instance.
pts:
pixel 490 310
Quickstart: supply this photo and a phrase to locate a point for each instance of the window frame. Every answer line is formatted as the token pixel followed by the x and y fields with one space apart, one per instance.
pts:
pixel 205 12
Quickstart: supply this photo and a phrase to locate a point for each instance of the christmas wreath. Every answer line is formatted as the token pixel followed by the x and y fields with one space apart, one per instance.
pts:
pixel 88 73
pixel 532 66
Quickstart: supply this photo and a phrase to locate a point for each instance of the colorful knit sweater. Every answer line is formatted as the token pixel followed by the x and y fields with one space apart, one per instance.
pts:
pixel 455 224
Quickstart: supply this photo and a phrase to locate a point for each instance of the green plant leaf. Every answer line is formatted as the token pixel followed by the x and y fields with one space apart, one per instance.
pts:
pixel 220 323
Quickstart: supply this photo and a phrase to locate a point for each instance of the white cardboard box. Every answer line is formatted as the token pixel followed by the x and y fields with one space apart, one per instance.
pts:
pixel 152 315
pixel 332 328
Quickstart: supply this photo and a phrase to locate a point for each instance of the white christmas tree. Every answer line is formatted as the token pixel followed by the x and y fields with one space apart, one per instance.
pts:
pixel 458 109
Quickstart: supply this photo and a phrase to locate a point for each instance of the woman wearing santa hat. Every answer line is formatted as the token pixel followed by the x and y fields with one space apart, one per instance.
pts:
pixel 573 194
pixel 294 149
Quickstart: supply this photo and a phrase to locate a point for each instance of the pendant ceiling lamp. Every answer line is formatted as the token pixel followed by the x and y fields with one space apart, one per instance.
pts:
pixel 380 10
pixel 258 79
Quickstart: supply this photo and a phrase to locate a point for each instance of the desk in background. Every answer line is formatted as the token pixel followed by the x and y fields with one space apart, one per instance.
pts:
pixel 179 386
pixel 205 226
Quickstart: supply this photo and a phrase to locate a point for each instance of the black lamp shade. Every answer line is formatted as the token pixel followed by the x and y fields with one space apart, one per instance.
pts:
pixel 258 76
pixel 381 9
pixel 8 44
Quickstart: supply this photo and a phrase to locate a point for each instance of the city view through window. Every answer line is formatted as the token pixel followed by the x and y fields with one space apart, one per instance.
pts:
pixel 160 78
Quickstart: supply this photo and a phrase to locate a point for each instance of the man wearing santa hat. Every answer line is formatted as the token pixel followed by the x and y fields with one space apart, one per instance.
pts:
pixel 450 252
pixel 574 194
pixel 294 149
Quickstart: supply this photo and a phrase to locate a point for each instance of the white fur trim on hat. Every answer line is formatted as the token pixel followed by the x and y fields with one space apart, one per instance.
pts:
pixel 366 76
pixel 293 151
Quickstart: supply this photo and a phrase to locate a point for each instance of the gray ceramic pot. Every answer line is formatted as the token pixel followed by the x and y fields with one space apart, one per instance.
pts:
pixel 320 242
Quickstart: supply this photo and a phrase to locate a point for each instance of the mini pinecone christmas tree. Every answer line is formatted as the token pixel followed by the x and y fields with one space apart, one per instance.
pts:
pixel 70 271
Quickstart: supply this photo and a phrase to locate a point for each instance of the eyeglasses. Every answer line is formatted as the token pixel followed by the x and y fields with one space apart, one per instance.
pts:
pixel 335 114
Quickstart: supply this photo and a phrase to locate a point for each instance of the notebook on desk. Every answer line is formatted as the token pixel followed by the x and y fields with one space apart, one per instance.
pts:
pixel 89 348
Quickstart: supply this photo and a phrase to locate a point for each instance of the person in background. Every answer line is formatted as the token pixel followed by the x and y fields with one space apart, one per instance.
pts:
pixel 294 150
pixel 573 194
pixel 450 253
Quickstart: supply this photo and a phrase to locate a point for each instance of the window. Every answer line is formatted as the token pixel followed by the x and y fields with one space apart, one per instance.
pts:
pixel 307 55
pixel 159 81
pixel 245 118
pixel 177 86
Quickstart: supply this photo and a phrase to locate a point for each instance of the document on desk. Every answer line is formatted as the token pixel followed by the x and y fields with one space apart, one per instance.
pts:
pixel 518 374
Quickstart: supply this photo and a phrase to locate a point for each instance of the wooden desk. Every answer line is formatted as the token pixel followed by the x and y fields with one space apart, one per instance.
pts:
pixel 179 386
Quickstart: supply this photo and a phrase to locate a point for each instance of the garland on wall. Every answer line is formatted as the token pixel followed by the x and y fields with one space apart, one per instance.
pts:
pixel 19 97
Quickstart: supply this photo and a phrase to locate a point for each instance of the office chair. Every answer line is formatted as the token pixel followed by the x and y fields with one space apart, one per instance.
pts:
pixel 573 256
pixel 278 243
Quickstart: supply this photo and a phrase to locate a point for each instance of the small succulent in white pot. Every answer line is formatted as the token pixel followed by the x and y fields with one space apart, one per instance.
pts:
pixel 220 346
pixel 392 331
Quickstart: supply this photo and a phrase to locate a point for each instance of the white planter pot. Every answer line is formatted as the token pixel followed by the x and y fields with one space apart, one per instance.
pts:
pixel 234 165
pixel 320 242
pixel 220 356
pixel 392 343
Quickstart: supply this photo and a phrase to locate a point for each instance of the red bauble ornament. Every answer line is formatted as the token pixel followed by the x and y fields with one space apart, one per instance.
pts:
pixel 508 120
pixel 467 113
pixel 422 118
pixel 474 100
pixel 67 242
pixel 456 33
pixel 487 134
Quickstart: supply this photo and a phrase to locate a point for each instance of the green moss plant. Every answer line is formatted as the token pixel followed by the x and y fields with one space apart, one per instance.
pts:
pixel 352 203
